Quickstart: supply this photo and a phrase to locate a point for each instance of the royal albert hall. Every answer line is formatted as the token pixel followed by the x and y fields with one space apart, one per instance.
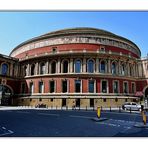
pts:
pixel 82 67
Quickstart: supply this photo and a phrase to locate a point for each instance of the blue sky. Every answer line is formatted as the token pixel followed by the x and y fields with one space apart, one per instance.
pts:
pixel 17 27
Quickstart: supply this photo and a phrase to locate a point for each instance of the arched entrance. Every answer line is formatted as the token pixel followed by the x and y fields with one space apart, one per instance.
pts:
pixel 5 95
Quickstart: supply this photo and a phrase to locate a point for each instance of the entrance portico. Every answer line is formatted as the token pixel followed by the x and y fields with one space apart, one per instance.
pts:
pixel 5 95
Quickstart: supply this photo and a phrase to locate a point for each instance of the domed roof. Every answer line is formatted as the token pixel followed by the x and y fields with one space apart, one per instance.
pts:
pixel 76 31
pixel 80 30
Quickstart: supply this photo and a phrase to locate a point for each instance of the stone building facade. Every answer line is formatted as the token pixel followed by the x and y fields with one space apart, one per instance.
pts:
pixel 83 67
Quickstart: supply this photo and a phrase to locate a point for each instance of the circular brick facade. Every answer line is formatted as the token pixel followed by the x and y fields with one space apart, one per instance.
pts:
pixel 83 67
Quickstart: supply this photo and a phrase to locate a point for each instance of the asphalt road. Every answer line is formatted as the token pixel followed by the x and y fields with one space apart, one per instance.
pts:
pixel 71 123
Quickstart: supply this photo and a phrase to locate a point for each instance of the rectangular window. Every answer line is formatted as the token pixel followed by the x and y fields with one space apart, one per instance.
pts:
pixel 52 86
pixel 41 87
pixel 133 88
pixel 31 87
pixel 104 87
pixel 77 86
pixel 64 86
pixel 91 86
pixel 115 87
pixel 23 90
pixel 125 87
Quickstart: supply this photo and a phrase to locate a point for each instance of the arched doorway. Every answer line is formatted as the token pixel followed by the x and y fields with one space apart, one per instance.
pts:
pixel 5 95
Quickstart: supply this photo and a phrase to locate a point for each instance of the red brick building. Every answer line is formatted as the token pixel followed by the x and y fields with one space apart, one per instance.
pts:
pixel 78 66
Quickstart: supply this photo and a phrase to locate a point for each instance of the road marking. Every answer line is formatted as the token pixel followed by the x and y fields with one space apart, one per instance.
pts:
pixel 6 132
pixel 136 114
pixel 86 117
pixel 48 114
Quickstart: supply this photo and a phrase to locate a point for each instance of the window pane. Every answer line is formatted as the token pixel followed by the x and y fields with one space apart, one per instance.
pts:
pixel 115 86
pixel 133 88
pixel 65 67
pixel 42 68
pixel 53 67
pixel 32 69
pixel 41 87
pixel 77 66
pixel 4 69
pixel 104 86
pixel 102 67
pixel 91 86
pixel 31 87
pixel 52 86
pixel 113 68
pixel 64 86
pixel 90 66
pixel 77 85
pixel 125 87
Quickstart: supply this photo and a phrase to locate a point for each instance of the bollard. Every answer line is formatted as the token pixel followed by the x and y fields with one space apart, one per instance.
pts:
pixel 79 107
pixel 56 107
pixel 110 109
pixel 144 117
pixel 93 108
pixel 98 112
pixel 66 107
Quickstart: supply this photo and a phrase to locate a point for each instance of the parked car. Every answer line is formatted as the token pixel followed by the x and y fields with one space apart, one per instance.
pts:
pixel 131 106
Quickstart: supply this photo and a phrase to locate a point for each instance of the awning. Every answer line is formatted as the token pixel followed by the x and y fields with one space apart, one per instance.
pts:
pixel 139 94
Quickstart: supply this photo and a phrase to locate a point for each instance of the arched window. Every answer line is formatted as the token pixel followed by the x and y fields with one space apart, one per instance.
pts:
pixel 4 69
pixel 42 68
pixel 90 66
pixel 32 69
pixel 102 67
pixel 113 68
pixel 53 67
pixel 77 66
pixel 65 66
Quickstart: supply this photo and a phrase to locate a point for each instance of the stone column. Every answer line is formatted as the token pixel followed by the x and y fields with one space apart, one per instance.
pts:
pixel 137 72
pixel 109 66
pixel 47 67
pixel 71 66
pixel 58 66
pixel 97 65
pixel 128 69
pixel 119 67
pixel 36 68
pixel 28 69
pixel 84 65
pixel 11 69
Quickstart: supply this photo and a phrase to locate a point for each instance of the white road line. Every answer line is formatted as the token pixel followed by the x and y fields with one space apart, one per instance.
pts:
pixel 48 114
pixel 6 133
pixel 86 117
pixel 10 131
pixel 106 112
